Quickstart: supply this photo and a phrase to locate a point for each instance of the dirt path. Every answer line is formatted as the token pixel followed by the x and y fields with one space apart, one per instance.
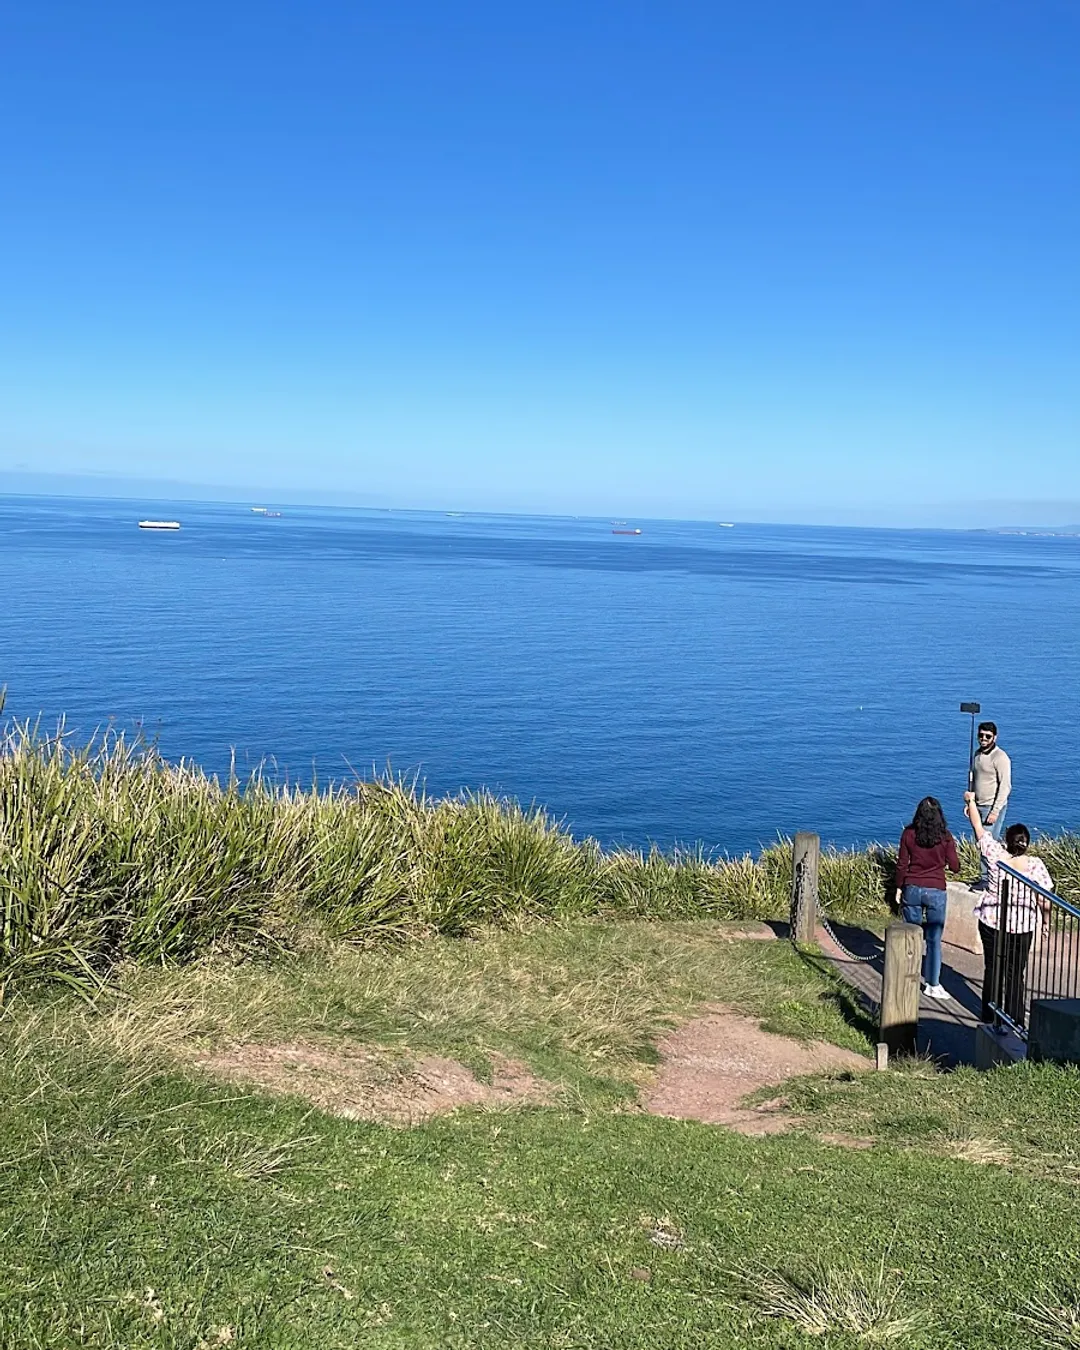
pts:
pixel 707 1067
pixel 711 1063
pixel 368 1083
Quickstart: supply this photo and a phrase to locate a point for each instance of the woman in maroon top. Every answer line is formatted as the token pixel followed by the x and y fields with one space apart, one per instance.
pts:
pixel 926 849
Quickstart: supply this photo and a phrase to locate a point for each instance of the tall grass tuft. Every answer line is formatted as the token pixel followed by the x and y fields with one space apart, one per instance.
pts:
pixel 109 854
pixel 1061 854
pixel 868 1306
pixel 1054 1323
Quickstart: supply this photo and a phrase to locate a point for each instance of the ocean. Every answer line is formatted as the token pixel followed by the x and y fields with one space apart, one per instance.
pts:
pixel 691 685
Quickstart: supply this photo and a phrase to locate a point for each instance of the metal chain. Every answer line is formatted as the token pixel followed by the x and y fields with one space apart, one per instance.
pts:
pixel 797 901
pixel 851 956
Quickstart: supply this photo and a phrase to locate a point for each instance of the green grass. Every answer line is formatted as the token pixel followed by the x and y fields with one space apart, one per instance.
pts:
pixel 165 1223
pixel 109 855
pixel 148 1205
pixel 582 1002
pixel 1024 1117
pixel 150 916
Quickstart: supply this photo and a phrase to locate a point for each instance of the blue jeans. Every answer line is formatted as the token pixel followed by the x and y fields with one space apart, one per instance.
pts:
pixel 996 830
pixel 924 906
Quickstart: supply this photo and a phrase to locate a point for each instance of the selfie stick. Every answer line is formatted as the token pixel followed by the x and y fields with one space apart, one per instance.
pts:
pixel 973 709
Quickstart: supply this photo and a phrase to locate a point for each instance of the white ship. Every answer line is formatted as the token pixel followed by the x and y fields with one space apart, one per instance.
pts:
pixel 159 524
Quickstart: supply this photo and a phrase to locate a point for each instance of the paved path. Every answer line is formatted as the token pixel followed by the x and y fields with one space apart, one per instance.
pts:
pixel 946 1028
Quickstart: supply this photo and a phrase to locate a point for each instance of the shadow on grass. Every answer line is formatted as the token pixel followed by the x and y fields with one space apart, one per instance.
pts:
pixel 946 1034
pixel 855 1007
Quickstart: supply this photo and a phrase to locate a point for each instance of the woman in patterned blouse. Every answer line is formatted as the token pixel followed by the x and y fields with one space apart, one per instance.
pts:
pixel 1026 908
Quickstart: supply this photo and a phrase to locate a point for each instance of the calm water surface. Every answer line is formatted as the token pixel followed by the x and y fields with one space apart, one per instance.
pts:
pixel 690 684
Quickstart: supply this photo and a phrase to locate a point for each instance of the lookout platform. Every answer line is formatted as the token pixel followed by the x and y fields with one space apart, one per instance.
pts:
pixel 946 1027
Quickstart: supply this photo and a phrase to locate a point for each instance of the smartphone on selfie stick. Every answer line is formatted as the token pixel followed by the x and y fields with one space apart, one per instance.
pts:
pixel 974 709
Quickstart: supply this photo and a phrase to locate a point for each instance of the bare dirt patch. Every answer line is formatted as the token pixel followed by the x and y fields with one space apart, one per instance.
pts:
pixel 738 930
pixel 844 1140
pixel 366 1083
pixel 710 1064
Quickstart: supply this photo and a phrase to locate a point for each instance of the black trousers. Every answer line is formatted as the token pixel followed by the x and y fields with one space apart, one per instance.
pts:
pixel 1015 949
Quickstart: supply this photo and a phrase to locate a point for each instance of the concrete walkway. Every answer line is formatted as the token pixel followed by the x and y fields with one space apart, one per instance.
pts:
pixel 946 1027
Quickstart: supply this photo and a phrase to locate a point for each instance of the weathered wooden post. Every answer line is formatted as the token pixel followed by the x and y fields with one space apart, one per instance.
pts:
pixel 900 987
pixel 805 856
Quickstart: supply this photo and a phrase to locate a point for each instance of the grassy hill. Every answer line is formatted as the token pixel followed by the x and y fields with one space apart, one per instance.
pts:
pixel 150 1202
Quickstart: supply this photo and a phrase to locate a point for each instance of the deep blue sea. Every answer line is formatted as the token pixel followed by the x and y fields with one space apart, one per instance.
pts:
pixel 688 684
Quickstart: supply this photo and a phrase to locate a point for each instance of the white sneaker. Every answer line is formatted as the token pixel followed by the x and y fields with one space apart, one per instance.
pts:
pixel 935 991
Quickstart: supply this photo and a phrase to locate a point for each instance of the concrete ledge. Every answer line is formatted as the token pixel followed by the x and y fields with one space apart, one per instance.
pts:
pixel 997 1047
pixel 1054 1030
pixel 961 925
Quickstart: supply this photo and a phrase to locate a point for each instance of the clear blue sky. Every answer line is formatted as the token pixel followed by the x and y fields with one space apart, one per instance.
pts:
pixel 775 258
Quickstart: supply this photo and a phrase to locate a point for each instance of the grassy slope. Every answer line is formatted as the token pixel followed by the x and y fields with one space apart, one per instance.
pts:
pixel 524 1229
pixel 583 1002
pixel 145 1207
pixel 1025 1117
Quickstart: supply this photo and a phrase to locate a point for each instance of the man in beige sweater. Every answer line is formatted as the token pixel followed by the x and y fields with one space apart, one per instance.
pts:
pixel 991 780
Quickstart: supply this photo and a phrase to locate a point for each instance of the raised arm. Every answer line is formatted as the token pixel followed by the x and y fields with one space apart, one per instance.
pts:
pixel 973 815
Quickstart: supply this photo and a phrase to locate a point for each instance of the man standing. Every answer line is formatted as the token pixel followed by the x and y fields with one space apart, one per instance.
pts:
pixel 991 780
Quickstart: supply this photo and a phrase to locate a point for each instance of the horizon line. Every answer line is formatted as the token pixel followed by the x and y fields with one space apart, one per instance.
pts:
pixel 1068 529
pixel 119 487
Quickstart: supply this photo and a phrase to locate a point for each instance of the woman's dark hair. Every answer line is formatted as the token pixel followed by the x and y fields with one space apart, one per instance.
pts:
pixel 929 823
pixel 1017 839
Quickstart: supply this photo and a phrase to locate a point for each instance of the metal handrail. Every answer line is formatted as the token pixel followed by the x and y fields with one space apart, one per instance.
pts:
pixel 1008 985
pixel 1040 890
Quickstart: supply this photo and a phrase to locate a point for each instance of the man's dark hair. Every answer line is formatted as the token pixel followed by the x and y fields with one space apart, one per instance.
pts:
pixel 1017 839
pixel 929 823
pixel 988 726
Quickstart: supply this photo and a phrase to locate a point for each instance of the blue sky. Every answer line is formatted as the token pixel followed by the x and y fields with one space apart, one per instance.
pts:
pixel 783 260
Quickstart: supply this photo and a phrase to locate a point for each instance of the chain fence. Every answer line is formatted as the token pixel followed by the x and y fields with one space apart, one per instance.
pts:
pixel 798 905
pixel 845 950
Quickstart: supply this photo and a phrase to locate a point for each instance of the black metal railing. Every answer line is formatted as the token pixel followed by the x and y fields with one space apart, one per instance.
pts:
pixel 1032 953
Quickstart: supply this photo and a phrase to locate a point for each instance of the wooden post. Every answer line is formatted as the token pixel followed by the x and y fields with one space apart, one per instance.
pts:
pixel 900 987
pixel 804 885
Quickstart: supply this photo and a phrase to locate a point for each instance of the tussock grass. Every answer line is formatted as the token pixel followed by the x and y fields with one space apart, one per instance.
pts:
pixel 109 855
pixel 248 1157
pixel 1061 853
pixel 869 1307
pixel 1053 1321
